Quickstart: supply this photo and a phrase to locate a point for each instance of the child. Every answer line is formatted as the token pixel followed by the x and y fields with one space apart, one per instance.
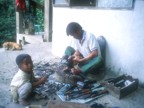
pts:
pixel 23 82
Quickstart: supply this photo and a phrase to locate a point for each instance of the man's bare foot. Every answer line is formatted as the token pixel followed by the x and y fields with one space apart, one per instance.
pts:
pixel 24 102
pixel 66 69
pixel 75 71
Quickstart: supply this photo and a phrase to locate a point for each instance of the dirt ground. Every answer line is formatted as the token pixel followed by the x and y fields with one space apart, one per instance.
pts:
pixel 42 52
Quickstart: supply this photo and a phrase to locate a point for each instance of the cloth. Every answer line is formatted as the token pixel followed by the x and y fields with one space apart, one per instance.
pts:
pixel 87 44
pixel 18 80
pixel 90 66
pixel 21 5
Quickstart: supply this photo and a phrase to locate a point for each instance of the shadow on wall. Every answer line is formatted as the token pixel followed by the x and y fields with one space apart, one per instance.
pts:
pixel 102 43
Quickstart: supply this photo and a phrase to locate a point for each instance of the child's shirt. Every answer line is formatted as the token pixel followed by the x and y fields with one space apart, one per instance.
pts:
pixel 18 80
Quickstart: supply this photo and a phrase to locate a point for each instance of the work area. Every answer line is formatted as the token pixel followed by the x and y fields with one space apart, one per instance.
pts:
pixel 84 55
pixel 46 58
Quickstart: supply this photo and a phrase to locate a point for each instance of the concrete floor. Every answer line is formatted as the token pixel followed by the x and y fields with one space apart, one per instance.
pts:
pixel 42 52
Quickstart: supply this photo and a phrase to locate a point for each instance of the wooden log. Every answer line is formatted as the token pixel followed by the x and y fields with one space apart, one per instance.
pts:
pixel 61 104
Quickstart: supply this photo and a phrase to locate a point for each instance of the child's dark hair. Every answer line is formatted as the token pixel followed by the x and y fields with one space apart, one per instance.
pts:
pixel 20 58
pixel 72 28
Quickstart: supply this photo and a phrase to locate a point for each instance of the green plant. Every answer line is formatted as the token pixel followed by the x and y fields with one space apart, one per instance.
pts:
pixel 40 15
pixel 7 21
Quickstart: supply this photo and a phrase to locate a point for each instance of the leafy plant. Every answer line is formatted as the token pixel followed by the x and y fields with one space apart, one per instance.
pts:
pixel 40 15
pixel 7 21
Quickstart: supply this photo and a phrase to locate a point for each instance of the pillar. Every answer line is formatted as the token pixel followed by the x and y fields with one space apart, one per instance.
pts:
pixel 19 23
pixel 48 20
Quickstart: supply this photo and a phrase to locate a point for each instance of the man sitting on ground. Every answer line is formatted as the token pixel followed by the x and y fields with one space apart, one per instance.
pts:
pixel 85 56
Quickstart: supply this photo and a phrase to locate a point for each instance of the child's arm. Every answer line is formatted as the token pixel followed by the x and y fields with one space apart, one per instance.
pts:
pixel 39 81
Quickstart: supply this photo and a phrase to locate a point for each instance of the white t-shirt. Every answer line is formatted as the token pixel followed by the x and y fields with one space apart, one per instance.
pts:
pixel 20 78
pixel 88 44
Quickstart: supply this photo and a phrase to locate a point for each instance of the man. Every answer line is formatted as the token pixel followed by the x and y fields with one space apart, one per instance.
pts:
pixel 85 53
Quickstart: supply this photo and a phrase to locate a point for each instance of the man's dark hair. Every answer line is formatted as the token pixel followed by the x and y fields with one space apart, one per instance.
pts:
pixel 72 28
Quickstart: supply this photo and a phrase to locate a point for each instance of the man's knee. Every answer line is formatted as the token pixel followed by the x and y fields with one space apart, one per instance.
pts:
pixel 69 51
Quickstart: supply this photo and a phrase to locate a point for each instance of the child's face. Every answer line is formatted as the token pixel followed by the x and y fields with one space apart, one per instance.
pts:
pixel 27 65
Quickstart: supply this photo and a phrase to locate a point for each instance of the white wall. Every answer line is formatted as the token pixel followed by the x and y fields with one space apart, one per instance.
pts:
pixel 123 30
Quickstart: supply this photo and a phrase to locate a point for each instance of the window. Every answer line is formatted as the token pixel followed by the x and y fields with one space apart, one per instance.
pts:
pixel 61 2
pixel 102 4
pixel 115 4
pixel 82 2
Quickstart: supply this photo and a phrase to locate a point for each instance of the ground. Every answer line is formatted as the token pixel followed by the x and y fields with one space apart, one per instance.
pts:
pixel 42 52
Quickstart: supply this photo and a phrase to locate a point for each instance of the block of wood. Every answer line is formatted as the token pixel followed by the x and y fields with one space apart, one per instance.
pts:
pixel 61 104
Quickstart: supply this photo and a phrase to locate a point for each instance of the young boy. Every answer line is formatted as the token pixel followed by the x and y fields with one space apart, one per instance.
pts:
pixel 24 82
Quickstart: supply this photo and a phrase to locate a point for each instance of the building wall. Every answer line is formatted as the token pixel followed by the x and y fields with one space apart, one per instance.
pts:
pixel 123 30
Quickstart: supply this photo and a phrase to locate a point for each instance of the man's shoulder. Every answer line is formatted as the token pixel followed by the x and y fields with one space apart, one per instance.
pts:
pixel 89 35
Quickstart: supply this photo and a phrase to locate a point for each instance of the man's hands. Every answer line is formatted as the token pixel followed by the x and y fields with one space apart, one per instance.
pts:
pixel 75 58
pixel 75 71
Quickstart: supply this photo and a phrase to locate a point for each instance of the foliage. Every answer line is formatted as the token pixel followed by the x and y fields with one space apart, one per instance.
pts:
pixel 40 19
pixel 40 15
pixel 7 21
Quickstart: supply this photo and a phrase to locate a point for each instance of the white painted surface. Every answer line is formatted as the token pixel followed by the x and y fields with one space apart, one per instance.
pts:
pixel 123 30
